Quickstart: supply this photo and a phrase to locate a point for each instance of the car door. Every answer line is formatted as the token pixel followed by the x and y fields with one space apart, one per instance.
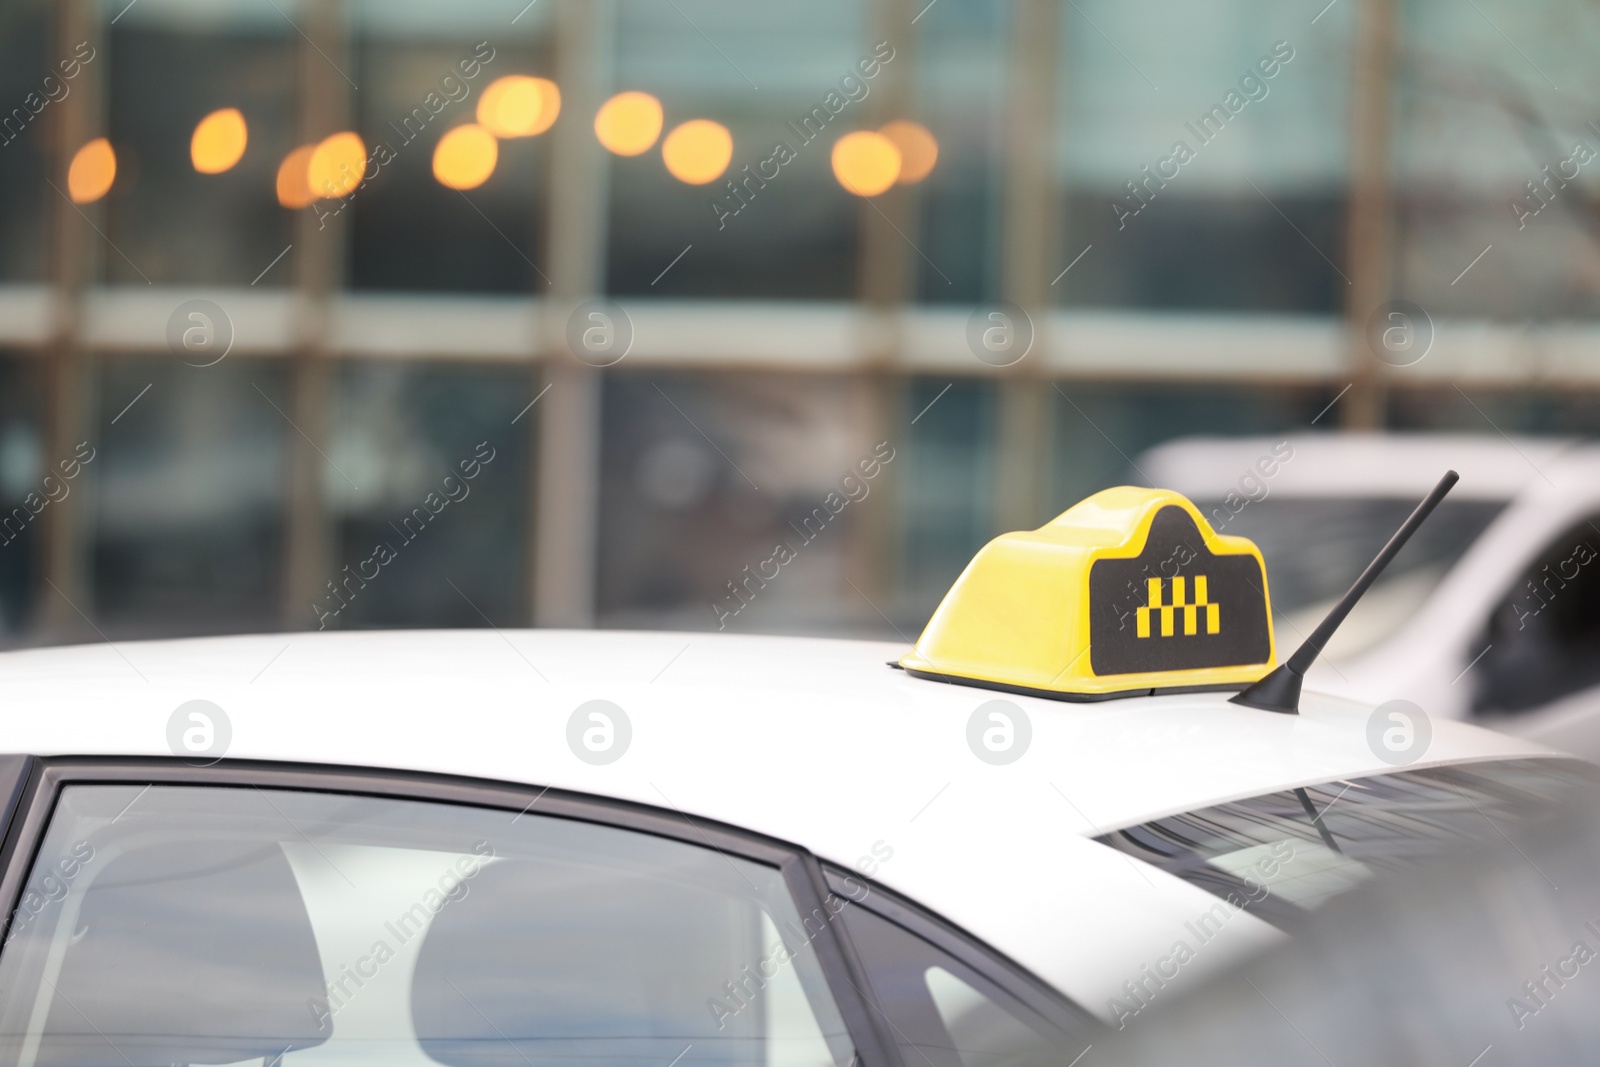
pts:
pixel 178 915
pixel 1539 672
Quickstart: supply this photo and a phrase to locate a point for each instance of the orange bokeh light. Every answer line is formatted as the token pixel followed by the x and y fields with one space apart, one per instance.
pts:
pixel 93 169
pixel 219 141
pixel 465 157
pixel 550 107
pixel 918 149
pixel 294 191
pixel 336 166
pixel 629 123
pixel 866 163
pixel 519 106
pixel 698 151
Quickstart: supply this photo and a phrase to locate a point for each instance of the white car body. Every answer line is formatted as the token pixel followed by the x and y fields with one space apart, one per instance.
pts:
pixel 818 743
pixel 1546 486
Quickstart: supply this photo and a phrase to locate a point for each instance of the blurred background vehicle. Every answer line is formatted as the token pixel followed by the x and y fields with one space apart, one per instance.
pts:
pixel 398 214
pixel 1492 611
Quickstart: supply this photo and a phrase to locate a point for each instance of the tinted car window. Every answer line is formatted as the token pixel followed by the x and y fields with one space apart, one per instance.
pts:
pixel 1543 640
pixel 1284 854
pixel 1315 548
pixel 944 1013
pixel 173 925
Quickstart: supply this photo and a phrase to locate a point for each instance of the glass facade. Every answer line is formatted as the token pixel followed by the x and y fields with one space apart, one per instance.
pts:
pixel 791 236
pixel 1168 192
pixel 1205 168
pixel 436 472
pixel 29 57
pixel 186 491
pixel 962 53
pixel 406 232
pixel 167 65
pixel 21 469
pixel 1497 90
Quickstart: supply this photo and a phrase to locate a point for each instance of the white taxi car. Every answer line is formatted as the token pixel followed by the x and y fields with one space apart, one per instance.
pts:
pixel 503 848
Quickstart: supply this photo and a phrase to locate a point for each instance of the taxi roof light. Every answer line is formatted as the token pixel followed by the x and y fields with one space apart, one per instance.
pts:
pixel 1127 592
pixel 1280 690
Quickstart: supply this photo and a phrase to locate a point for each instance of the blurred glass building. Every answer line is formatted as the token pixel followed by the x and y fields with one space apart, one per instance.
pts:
pixel 1190 214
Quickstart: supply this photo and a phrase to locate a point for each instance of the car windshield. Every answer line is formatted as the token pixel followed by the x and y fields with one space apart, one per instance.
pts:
pixel 1315 548
pixel 1284 854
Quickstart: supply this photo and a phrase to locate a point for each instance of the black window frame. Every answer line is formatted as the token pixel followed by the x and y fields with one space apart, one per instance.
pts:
pixel 31 786
pixel 1485 706
pixel 1014 986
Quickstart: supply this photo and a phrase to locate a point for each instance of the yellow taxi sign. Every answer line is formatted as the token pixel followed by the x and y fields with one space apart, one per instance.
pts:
pixel 1126 592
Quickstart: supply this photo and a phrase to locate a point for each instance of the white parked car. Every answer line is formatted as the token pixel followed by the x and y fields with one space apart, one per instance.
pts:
pixel 492 849
pixel 1491 613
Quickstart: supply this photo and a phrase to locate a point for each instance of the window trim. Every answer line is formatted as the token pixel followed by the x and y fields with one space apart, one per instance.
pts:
pixel 1027 990
pixel 39 781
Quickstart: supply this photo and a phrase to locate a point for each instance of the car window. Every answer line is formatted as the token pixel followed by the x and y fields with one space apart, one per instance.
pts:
pixel 941 1011
pixel 1315 548
pixel 1284 854
pixel 178 925
pixel 1543 639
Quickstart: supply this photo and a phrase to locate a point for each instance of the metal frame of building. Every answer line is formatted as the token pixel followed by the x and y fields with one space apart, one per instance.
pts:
pixel 73 323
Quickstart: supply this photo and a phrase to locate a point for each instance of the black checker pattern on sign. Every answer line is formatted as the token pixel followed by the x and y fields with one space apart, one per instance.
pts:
pixel 1234 605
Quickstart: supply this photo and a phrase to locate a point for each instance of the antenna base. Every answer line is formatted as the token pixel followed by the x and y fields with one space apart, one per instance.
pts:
pixel 1278 691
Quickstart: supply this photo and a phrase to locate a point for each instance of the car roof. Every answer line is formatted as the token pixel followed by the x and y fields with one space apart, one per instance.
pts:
pixel 1492 467
pixel 816 742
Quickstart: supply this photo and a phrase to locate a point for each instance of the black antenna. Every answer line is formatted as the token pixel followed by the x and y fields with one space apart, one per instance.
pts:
pixel 1280 690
